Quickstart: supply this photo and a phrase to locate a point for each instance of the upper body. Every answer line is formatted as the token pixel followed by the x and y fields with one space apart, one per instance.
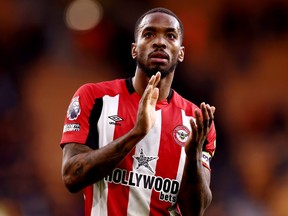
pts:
pixel 151 156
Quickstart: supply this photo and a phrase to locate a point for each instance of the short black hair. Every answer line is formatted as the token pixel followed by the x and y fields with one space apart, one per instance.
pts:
pixel 160 10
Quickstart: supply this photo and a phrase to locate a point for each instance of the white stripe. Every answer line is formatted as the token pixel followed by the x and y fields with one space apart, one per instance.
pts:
pixel 106 130
pixel 150 149
pixel 186 120
pixel 99 205
pixel 106 133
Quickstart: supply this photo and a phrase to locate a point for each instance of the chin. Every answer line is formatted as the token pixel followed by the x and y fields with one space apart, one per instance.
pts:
pixel 150 71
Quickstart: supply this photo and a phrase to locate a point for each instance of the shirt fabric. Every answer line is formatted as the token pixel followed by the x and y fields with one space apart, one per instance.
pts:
pixel 147 181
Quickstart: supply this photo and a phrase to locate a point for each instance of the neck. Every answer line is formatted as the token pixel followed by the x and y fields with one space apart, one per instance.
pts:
pixel 140 81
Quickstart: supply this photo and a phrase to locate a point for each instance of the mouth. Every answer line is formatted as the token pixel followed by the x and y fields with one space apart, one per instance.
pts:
pixel 159 56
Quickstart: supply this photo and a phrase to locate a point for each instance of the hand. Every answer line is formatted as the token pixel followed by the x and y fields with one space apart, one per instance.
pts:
pixel 146 111
pixel 200 129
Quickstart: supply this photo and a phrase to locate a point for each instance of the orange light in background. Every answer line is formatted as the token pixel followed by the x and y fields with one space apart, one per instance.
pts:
pixel 83 15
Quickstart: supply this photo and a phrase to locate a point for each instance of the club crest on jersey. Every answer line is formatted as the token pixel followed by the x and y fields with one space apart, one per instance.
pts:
pixel 181 134
pixel 74 109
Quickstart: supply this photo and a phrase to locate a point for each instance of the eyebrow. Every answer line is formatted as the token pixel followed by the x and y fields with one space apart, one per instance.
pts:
pixel 152 28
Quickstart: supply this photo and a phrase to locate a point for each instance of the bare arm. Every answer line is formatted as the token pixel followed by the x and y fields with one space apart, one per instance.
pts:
pixel 195 194
pixel 82 166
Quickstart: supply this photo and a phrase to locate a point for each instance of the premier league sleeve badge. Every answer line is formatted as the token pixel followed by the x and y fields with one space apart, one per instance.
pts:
pixel 74 109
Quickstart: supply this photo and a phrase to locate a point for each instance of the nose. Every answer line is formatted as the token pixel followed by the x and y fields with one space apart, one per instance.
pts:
pixel 159 42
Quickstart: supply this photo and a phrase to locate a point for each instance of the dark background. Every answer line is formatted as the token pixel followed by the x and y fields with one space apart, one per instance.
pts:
pixel 236 59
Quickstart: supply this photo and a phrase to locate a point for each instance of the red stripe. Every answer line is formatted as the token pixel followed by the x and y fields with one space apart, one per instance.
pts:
pixel 169 156
pixel 88 192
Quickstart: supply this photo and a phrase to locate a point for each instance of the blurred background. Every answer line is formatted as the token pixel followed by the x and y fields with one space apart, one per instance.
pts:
pixel 236 59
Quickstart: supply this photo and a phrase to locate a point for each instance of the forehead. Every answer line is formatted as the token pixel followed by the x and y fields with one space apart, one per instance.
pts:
pixel 159 20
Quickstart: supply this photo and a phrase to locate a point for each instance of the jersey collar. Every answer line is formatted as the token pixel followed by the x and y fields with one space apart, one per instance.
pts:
pixel 131 89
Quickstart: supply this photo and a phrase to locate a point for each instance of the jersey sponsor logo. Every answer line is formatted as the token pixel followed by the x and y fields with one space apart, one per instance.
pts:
pixel 181 134
pixel 167 188
pixel 71 127
pixel 115 119
pixel 74 109
pixel 144 161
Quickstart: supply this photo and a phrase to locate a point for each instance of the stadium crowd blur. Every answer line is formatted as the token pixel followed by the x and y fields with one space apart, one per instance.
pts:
pixel 236 59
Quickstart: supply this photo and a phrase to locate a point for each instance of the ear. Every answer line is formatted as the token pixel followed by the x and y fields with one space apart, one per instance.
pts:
pixel 133 50
pixel 181 54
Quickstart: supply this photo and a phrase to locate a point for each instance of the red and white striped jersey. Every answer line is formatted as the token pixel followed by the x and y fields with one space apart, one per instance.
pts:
pixel 148 180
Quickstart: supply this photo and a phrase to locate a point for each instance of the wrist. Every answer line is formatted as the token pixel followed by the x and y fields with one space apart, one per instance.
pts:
pixel 193 153
pixel 193 160
pixel 138 132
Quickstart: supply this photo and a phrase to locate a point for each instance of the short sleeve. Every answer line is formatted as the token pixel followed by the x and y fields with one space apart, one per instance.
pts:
pixel 76 123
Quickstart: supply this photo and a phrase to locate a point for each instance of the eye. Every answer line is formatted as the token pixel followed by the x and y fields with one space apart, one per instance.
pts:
pixel 172 36
pixel 148 34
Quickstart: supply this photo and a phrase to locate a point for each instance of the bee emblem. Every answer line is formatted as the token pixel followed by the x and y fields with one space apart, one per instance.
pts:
pixel 181 134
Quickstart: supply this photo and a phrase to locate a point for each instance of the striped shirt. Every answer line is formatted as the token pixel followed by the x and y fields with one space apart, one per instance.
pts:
pixel 147 181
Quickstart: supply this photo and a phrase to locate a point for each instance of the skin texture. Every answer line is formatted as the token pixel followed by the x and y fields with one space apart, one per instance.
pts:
pixel 157 51
pixel 195 190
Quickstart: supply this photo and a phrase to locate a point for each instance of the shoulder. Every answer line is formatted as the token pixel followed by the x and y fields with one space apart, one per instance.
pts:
pixel 100 89
pixel 183 103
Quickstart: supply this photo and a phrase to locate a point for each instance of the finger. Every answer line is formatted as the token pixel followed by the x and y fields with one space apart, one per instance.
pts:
pixel 194 130
pixel 199 121
pixel 193 142
pixel 152 80
pixel 148 91
pixel 157 78
pixel 154 97
pixel 211 111
pixel 205 115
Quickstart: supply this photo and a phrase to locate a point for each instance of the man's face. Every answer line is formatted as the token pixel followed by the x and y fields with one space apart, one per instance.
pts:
pixel 158 45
